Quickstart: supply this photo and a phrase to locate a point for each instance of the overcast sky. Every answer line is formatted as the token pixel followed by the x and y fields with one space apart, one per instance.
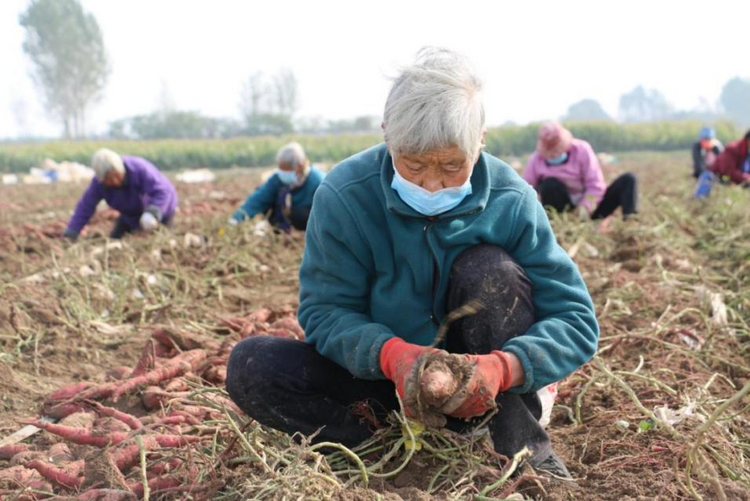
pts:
pixel 537 57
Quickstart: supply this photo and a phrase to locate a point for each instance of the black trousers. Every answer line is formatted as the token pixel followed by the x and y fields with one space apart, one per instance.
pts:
pixel 122 228
pixel 297 218
pixel 623 192
pixel 289 386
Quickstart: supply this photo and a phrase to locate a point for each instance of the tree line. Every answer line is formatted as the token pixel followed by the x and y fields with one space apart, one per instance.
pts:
pixel 71 67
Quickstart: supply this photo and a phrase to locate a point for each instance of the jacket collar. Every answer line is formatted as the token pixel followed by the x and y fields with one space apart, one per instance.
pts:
pixel 476 202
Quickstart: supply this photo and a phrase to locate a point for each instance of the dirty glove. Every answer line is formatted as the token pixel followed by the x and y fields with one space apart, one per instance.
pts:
pixel 397 360
pixel 232 221
pixel 492 375
pixel 70 234
pixel 148 221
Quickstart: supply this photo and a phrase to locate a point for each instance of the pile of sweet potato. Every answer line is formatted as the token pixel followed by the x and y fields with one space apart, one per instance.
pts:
pixel 96 434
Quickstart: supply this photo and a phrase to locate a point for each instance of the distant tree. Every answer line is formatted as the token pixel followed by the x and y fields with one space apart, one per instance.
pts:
pixel 66 47
pixel 173 124
pixel 644 105
pixel 268 106
pixel 285 92
pixel 586 110
pixel 364 123
pixel 735 99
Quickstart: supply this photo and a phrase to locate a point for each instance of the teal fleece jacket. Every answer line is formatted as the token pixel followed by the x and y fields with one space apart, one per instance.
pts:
pixel 374 268
pixel 265 196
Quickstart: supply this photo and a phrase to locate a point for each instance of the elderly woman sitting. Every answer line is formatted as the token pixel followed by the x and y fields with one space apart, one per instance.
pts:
pixel 566 173
pixel 287 196
pixel 131 185
pixel 401 235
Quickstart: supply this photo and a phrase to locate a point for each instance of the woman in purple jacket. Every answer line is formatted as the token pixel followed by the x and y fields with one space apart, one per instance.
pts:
pixel 131 185
pixel 566 174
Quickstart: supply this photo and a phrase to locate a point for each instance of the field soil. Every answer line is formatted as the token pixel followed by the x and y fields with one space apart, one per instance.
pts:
pixel 660 413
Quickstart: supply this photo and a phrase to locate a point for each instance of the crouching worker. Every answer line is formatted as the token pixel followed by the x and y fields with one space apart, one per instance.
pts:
pixel 734 162
pixel 399 236
pixel 705 150
pixel 566 173
pixel 287 197
pixel 131 185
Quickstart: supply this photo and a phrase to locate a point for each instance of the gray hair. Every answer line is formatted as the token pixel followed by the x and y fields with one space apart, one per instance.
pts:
pixel 104 161
pixel 435 103
pixel 292 154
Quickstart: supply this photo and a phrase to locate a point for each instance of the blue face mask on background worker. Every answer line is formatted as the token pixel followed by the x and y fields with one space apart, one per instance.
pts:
pixel 426 202
pixel 287 176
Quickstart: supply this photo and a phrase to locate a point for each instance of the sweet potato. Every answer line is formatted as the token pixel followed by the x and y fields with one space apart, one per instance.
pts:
pixel 98 392
pixel 103 495
pixel 260 315
pixel 69 391
pixel 18 475
pixel 177 366
pixel 183 340
pixel 290 325
pixel 24 457
pixel 162 467
pixel 60 453
pixel 156 485
pixel 154 397
pixel 175 440
pixel 128 456
pixel 438 384
pixel 63 410
pixel 80 436
pixel 133 422
pixel 216 375
pixel 69 477
pixel 177 384
pixel 8 451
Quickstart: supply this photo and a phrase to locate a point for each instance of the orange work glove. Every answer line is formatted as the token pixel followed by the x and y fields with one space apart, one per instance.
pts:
pixel 397 360
pixel 492 375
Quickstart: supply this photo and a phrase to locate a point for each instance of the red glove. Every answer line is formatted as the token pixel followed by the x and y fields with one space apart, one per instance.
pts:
pixel 492 375
pixel 397 359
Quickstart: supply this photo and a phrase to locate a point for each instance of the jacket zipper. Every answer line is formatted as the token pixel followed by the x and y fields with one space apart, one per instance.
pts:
pixel 435 275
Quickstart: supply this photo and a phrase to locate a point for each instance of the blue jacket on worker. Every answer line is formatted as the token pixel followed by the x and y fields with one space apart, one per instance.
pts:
pixel 274 195
pixel 375 268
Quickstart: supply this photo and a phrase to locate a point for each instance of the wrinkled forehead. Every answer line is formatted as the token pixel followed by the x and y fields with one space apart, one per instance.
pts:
pixel 440 156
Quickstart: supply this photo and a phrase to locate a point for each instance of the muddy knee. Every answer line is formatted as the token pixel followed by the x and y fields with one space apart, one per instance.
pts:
pixel 250 371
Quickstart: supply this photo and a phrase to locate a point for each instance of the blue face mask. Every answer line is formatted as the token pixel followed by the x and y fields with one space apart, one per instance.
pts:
pixel 287 176
pixel 558 160
pixel 426 202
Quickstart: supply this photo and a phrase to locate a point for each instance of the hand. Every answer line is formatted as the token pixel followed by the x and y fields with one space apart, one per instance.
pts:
pixel 397 361
pixel 148 221
pixel 232 221
pixel 583 212
pixel 70 235
pixel 493 374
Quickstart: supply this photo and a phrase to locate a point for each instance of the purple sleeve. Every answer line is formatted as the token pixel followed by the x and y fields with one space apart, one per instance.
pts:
pixel 593 180
pixel 155 185
pixel 529 173
pixel 85 208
